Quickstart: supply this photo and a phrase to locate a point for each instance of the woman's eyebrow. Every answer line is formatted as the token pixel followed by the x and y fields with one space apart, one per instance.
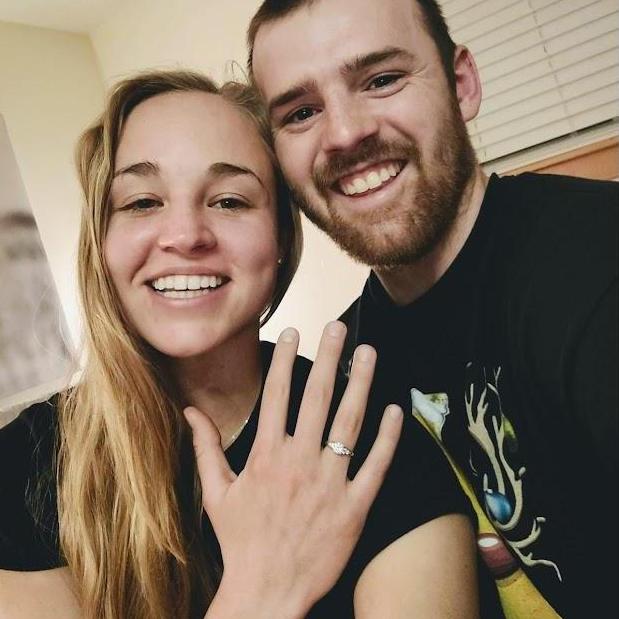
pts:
pixel 219 169
pixel 224 169
pixel 142 168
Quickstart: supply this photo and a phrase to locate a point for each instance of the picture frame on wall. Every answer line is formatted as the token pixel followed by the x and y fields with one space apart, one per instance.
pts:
pixel 35 359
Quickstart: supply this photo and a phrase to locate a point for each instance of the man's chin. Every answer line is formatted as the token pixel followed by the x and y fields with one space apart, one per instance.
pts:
pixel 384 246
pixel 390 237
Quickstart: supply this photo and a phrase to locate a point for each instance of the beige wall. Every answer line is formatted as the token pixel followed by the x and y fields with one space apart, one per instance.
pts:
pixel 160 33
pixel 207 36
pixel 50 89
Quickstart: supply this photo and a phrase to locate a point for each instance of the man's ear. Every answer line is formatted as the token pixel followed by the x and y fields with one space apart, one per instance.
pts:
pixel 468 85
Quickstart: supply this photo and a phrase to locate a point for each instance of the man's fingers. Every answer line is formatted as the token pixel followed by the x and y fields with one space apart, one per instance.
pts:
pixel 351 411
pixel 319 388
pixel 213 468
pixel 274 407
pixel 370 476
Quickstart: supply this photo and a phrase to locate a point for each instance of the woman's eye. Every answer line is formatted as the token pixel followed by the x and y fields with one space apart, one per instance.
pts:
pixel 384 80
pixel 298 116
pixel 142 204
pixel 228 204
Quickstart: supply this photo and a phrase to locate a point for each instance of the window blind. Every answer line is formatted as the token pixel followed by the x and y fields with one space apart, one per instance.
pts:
pixel 548 68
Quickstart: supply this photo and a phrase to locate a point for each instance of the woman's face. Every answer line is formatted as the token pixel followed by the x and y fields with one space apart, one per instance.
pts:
pixel 192 238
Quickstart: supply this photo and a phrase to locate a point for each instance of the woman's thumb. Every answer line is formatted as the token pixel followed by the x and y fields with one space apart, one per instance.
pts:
pixel 213 468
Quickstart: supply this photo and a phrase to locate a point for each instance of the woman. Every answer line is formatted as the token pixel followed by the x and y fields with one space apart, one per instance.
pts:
pixel 187 240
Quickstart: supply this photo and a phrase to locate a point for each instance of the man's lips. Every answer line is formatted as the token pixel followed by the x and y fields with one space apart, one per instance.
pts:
pixel 369 178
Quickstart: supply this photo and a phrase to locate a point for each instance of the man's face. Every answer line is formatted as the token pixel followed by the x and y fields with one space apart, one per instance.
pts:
pixel 367 130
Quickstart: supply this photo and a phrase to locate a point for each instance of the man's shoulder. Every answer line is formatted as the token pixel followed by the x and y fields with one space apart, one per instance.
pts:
pixel 552 223
pixel 557 186
pixel 536 199
pixel 554 257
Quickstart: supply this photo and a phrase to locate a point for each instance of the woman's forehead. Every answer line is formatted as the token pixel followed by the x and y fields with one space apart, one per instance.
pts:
pixel 191 124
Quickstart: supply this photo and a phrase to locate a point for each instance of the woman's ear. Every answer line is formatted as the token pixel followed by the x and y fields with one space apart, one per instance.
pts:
pixel 468 85
pixel 283 246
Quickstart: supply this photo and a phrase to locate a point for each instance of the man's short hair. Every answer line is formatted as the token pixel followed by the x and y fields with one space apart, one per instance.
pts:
pixel 436 26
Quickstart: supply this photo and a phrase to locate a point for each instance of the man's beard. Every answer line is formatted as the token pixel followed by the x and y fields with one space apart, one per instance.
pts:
pixel 398 234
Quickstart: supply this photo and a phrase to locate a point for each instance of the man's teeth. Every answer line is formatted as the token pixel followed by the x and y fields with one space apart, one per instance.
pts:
pixel 370 180
pixel 184 283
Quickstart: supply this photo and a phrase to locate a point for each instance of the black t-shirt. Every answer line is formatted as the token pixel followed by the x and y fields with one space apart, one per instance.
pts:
pixel 417 489
pixel 511 360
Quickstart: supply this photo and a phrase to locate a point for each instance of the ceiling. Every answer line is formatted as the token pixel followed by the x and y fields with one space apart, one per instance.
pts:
pixel 70 15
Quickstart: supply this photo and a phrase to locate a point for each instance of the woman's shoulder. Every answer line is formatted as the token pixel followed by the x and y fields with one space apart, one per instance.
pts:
pixel 33 429
pixel 28 518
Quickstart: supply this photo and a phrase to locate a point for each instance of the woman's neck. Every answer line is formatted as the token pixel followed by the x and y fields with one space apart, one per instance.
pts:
pixel 224 383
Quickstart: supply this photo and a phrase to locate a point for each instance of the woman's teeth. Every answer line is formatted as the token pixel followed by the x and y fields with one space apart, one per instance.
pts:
pixel 370 180
pixel 186 286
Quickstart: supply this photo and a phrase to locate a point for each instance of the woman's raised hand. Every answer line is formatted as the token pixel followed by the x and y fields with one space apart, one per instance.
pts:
pixel 288 523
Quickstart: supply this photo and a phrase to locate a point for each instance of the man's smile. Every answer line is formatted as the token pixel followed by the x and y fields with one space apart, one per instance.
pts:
pixel 369 178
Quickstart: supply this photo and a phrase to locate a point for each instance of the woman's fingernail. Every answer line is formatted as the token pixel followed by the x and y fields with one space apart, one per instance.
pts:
pixel 394 411
pixel 288 335
pixel 364 353
pixel 335 328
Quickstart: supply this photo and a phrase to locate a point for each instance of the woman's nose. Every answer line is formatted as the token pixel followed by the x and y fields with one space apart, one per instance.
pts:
pixel 186 230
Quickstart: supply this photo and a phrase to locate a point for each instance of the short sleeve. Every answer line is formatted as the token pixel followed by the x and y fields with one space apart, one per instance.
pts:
pixel 419 487
pixel 28 516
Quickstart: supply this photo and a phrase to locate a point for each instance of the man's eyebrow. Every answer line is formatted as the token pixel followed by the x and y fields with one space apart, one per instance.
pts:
pixel 222 169
pixel 291 94
pixel 355 65
pixel 359 63
pixel 142 168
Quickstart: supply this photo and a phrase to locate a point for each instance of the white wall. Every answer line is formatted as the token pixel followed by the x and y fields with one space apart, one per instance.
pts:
pixel 207 35
pixel 50 89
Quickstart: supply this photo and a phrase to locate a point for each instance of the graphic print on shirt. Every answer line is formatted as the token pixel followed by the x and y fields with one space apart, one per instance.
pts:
pixel 503 503
pixel 501 482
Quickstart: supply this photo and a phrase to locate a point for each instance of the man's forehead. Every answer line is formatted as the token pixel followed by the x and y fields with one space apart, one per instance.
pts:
pixel 327 35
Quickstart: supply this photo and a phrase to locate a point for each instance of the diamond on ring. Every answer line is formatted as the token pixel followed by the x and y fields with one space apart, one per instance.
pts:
pixel 340 449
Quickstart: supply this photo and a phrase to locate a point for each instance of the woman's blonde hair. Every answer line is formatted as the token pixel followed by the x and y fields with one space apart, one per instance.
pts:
pixel 129 505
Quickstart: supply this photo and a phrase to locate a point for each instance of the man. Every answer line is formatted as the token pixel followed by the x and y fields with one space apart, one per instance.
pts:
pixel 492 302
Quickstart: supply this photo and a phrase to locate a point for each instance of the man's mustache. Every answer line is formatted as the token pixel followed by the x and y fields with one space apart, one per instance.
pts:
pixel 371 150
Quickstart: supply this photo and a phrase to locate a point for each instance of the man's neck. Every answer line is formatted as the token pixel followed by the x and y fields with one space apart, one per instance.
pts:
pixel 408 282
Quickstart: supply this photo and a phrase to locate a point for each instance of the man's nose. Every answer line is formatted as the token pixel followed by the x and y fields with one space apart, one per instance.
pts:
pixel 348 123
pixel 186 229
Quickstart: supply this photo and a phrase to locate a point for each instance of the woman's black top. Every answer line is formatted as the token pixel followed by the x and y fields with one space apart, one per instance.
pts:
pixel 419 487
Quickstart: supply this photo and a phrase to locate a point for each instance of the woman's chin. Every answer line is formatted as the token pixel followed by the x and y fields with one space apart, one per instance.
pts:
pixel 183 349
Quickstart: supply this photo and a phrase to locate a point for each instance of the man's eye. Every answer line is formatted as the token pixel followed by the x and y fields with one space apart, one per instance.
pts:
pixel 298 116
pixel 228 204
pixel 383 80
